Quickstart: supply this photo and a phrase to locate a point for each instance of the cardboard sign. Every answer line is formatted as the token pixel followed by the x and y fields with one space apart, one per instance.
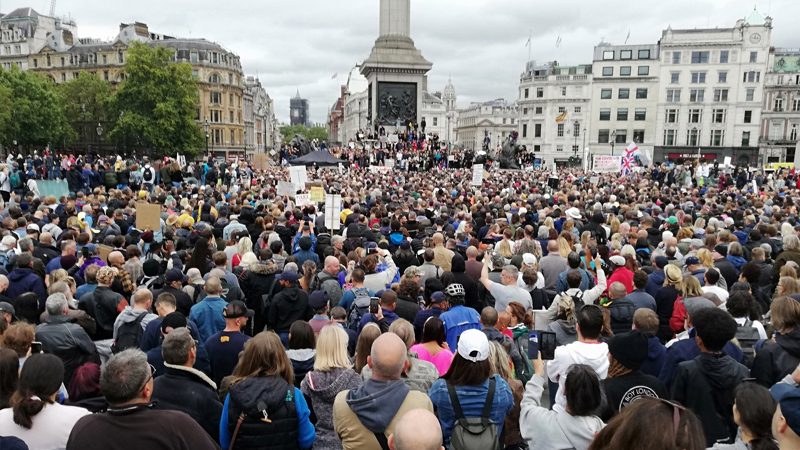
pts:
pixel 104 250
pixel 594 180
pixel 333 206
pixel 477 174
pixel 261 161
pixel 299 177
pixel 148 216
pixel 286 188
pixel 607 163
pixel 317 194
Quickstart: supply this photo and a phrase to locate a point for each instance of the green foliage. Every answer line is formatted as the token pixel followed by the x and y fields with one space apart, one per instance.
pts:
pixel 87 100
pixel 32 109
pixel 290 131
pixel 158 100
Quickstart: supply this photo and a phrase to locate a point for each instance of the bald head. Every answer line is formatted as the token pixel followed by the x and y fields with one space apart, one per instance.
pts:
pixel 419 429
pixel 472 253
pixel 332 265
pixel 46 238
pixel 116 259
pixel 552 246
pixel 617 290
pixel 438 238
pixel 388 357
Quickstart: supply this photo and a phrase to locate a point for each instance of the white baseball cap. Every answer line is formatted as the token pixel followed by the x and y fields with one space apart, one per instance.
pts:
pixel 473 345
pixel 528 259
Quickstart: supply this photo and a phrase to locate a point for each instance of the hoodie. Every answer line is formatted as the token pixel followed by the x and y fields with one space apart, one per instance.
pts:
pixel 655 282
pixel 777 359
pixel 656 352
pixel 594 355
pixel 566 332
pixel 129 315
pixel 377 402
pixel 302 362
pixel 545 429
pixel 737 261
pixel 322 387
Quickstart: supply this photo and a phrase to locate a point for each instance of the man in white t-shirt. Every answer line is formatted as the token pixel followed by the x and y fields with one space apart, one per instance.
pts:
pixel 711 278
pixel 508 291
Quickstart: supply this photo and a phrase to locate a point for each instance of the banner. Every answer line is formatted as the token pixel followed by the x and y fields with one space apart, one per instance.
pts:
pixel 286 188
pixel 380 169
pixel 607 163
pixel 477 174
pixel 317 194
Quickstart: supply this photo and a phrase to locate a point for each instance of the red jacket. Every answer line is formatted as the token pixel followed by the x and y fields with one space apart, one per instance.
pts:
pixel 624 276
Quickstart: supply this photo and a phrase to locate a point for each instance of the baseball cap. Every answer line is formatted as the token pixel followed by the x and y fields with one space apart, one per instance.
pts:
pixel 788 397
pixel 288 275
pixel 33 226
pixel 528 259
pixel 692 261
pixel 473 345
pixel 6 307
pixel 438 297
pixel 661 262
pixel 412 271
pixel 176 275
pixel 236 309
pixel 318 299
pixel 617 260
pixel 673 220
pixel 102 218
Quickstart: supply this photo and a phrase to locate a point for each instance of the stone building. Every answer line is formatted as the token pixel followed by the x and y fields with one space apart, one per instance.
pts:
pixel 24 31
pixel 780 116
pixel 486 124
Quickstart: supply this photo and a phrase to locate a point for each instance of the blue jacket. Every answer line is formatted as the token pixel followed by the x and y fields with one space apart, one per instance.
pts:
pixel 303 256
pixel 152 335
pixel 388 315
pixel 202 363
pixel 472 399
pixel 687 350
pixel 655 281
pixel 457 320
pixel 296 242
pixel 207 315
pixel 587 281
pixel 306 432
pixel 23 280
pixel 656 353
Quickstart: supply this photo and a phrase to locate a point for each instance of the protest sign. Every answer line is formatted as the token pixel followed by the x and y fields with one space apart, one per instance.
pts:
pixel 477 174
pixel 605 163
pixel 317 194
pixel 333 206
pixel 148 217
pixel 285 188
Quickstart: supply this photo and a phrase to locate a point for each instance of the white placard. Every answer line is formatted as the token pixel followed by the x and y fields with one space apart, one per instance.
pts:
pixel 286 188
pixel 755 187
pixel 303 200
pixel 333 205
pixel 607 163
pixel 477 174
pixel 727 161
pixel 394 138
pixel 299 176
pixel 182 161
pixel 594 180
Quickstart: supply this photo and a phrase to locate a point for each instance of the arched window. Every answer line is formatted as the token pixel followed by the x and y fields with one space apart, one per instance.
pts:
pixel 214 79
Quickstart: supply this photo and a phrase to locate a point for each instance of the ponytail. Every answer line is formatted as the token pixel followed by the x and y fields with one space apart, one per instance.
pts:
pixel 529 320
pixel 763 443
pixel 25 406
pixel 39 379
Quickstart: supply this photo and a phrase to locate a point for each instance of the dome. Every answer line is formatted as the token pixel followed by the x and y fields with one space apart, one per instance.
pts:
pixel 449 88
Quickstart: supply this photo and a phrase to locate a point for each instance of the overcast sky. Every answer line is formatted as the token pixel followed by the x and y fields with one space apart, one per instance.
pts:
pixel 301 44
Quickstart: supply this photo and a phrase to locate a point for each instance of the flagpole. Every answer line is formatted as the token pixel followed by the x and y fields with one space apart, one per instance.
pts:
pixel 530 35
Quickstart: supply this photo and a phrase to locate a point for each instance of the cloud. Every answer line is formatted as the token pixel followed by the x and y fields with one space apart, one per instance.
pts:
pixel 299 45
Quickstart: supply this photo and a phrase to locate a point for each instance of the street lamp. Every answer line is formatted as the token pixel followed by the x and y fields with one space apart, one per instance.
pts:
pixel 205 128
pixel 99 130
pixel 577 130
pixel 613 139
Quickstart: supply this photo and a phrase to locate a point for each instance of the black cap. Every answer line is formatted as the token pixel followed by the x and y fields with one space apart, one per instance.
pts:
pixel 318 299
pixel 176 275
pixel 629 349
pixel 236 309
pixel 173 320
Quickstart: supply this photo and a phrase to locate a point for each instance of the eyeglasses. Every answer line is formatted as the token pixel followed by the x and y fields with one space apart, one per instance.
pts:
pixel 152 375
pixel 676 415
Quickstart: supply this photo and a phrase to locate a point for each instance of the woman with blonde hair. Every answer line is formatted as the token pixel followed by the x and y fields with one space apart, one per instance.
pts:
pixel 245 245
pixel 665 301
pixel 692 292
pixel 264 379
pixel 788 271
pixel 787 286
pixel 500 364
pixel 564 248
pixel 549 224
pixel 504 249
pixel 333 373
pixel 706 258
pixel 628 250
pixel 614 225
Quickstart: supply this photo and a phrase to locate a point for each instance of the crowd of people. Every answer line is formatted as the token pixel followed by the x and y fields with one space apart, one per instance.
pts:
pixel 657 310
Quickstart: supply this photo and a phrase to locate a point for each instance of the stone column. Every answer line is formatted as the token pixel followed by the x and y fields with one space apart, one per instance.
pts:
pixel 395 18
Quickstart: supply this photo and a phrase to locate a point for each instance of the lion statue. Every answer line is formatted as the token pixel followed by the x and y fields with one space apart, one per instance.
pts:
pixel 301 143
pixel 508 155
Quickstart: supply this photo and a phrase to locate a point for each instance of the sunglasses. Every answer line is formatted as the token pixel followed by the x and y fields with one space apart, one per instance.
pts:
pixel 152 375
pixel 676 415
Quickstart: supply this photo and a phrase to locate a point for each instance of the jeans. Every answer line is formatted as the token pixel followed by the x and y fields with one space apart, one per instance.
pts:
pixel 284 340
pixel 122 186
pixel 176 184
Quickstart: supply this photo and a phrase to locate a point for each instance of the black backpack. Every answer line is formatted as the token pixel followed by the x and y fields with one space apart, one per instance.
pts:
pixel 747 336
pixel 148 175
pixel 129 335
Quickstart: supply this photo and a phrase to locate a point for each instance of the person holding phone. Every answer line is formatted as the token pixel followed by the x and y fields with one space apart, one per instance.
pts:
pixel 381 311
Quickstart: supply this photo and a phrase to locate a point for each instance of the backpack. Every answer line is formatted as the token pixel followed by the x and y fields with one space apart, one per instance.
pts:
pixel 747 336
pixel 474 433
pixel 198 288
pixel 148 175
pixel 110 178
pixel 724 400
pixel 4 258
pixel 16 182
pixel 129 335
pixel 577 299
pixel 359 308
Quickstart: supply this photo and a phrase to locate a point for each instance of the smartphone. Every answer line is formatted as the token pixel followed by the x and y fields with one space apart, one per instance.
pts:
pixel 371 250
pixel 533 344
pixel 374 304
pixel 547 345
pixel 594 253
pixel 36 348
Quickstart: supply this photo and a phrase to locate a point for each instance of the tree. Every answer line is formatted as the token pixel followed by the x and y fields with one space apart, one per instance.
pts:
pixel 87 101
pixel 289 131
pixel 32 111
pixel 157 100
pixel 320 133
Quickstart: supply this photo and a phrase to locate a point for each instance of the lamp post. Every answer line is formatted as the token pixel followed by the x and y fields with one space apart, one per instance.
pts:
pixel 85 138
pixel 576 131
pixel 205 128
pixel 696 141
pixel 99 130
pixel 124 143
pixel 613 139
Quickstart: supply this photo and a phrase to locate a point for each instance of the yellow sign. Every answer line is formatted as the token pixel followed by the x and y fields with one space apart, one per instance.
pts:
pixel 561 117
pixel 317 194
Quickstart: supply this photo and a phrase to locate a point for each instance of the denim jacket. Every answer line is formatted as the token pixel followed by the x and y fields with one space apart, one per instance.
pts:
pixel 472 399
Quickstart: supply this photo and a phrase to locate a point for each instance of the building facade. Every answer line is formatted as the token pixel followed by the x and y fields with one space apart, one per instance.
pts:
pixel 217 70
pixel 258 117
pixel 624 99
pixel 298 111
pixel 24 31
pixel 711 91
pixel 554 109
pixel 486 125
pixel 335 121
pixel 780 116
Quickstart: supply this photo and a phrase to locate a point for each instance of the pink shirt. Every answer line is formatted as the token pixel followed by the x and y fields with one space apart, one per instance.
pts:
pixel 442 359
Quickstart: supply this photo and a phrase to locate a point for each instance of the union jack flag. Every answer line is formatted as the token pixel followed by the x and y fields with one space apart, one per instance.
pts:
pixel 627 159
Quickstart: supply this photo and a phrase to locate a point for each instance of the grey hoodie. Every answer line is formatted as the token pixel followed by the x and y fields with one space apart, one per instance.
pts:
pixel 377 402
pixel 544 429
pixel 322 388
pixel 129 315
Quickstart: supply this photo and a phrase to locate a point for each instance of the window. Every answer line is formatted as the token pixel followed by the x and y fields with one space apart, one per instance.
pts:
pixel 560 131
pixel 608 55
pixel 626 54
pixel 622 114
pixel 537 148
pixel 641 93
pixel 723 56
pixel 524 130
pixel 217 137
pixel 750 95
pixel 561 110
pixel 796 105
pixel 605 113
pixel 699 57
pixel 197 114
pixel 63 76
pixel 576 129
pixel 194 74
pixel 745 139
pixel 538 110
pixel 644 70
pixel 524 111
pixel 35 63
pixel 575 148
pixel 563 91
pixel 48 61
pixel 436 121
pixel 676 57
pixel 105 75
pixel 215 116
pixel 753 57
pixel 718 116
pixel 780 79
pixel 644 54
pixel 539 93
pixel 232 135
pixel 193 57
pixel 216 98
pixel 672 115
pixel 602 137
pixel 105 59
pixel 638 136
pixel 675 77
pixel 793 135
pixel 537 130
pixel 75 75
pixel 625 71
pixel 717 138
pixel 62 62
pixel 504 119
pixel 214 60
pixel 692 137
pixel 608 71
pixel 231 117
pixel 723 77
pixel 230 99
pixel 230 78
pixel 696 95
pixel 673 95
pixel 640 114
pixel 695 115
pixel 624 93
pixel 559 148
pixel 214 79
pixel 698 77
pixel 778 104
pixel 526 92
pixel 577 110
pixel 720 95
pixel 751 77
pixel 120 57
pixel 669 137
pixel 622 137
pixel 748 116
